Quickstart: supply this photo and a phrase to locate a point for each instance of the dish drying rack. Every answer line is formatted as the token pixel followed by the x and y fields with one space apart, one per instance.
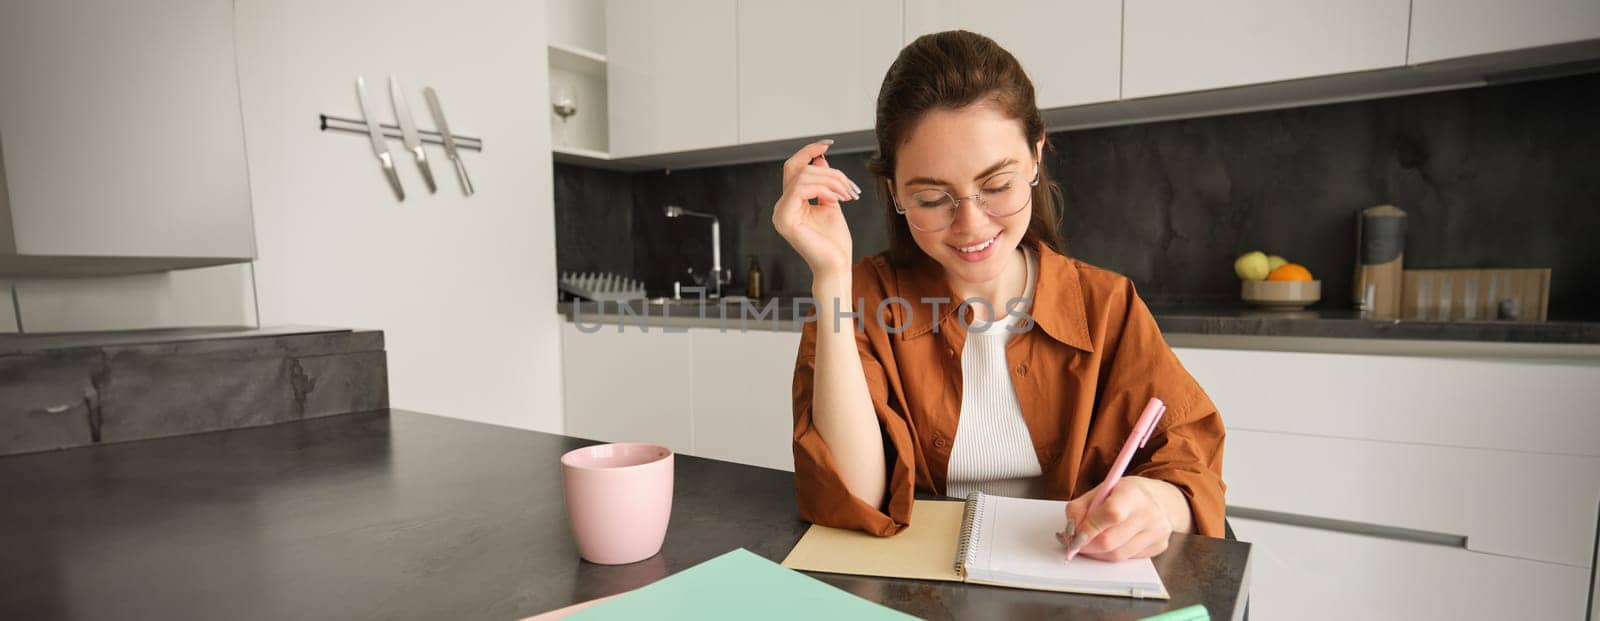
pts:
pixel 601 287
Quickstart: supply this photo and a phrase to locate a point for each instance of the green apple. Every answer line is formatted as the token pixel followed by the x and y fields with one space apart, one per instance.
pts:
pixel 1274 262
pixel 1252 266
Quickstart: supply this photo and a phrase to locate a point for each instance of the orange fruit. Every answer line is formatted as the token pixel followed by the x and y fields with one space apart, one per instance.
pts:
pixel 1290 271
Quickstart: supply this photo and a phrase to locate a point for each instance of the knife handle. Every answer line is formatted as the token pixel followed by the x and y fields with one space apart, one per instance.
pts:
pixel 394 177
pixel 427 171
pixel 461 173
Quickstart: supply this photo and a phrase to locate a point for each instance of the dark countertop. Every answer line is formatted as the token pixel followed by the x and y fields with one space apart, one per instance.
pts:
pixel 405 515
pixel 51 341
pixel 1186 319
pixel 1342 323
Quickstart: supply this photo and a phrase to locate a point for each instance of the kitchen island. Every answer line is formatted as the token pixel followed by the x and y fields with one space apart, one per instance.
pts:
pixel 400 515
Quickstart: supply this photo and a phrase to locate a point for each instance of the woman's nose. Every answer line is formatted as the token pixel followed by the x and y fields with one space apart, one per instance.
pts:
pixel 969 215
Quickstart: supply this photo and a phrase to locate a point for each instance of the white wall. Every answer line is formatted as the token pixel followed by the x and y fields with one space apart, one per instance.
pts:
pixel 578 23
pixel 463 288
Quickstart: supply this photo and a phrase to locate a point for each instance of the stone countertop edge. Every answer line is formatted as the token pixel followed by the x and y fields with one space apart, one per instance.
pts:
pixel 1217 328
pixel 294 339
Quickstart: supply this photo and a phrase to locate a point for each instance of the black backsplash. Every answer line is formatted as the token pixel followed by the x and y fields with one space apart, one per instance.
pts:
pixel 1503 176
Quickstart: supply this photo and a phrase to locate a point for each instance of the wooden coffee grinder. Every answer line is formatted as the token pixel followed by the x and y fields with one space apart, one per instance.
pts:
pixel 1380 259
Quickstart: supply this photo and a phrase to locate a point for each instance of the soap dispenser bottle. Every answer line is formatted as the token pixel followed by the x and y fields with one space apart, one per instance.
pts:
pixel 754 287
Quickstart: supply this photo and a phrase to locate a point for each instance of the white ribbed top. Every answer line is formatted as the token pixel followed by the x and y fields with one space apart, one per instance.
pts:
pixel 993 452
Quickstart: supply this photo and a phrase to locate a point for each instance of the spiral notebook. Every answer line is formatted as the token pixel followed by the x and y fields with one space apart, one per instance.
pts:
pixel 995 540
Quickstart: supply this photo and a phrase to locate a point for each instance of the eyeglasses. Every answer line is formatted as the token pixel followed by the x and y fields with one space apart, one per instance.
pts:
pixel 931 210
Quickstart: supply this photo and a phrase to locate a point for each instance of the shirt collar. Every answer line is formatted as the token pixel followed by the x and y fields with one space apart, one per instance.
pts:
pixel 1058 305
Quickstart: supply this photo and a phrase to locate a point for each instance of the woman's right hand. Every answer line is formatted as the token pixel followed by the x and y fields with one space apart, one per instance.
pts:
pixel 818 232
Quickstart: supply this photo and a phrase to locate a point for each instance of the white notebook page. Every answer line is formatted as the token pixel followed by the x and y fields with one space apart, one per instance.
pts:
pixel 1017 545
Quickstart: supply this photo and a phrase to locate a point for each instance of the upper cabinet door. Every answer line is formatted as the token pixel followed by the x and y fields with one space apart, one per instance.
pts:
pixel 813 68
pixel 1442 29
pixel 672 75
pixel 1174 46
pixel 1071 49
pixel 121 132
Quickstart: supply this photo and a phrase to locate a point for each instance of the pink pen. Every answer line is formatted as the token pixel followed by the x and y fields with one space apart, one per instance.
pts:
pixel 1142 430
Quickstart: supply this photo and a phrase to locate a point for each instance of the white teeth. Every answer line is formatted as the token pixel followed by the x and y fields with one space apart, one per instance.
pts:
pixel 976 248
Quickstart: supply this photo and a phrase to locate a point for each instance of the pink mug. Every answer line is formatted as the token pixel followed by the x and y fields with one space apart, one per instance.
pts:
pixel 619 499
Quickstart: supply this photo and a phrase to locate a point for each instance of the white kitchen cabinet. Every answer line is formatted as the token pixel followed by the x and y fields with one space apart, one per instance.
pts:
pixel 1437 444
pixel 627 387
pixel 742 407
pixel 814 68
pixel 1461 402
pixel 703 392
pixel 1310 574
pixel 1500 451
pixel 121 137
pixel 1175 46
pixel 1444 29
pixel 1072 50
pixel 1534 506
pixel 672 76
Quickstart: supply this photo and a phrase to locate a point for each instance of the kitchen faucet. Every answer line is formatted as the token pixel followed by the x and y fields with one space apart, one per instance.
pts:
pixel 719 276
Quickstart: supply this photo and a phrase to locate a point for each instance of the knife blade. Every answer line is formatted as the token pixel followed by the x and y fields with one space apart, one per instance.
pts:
pixel 408 133
pixel 449 139
pixel 380 146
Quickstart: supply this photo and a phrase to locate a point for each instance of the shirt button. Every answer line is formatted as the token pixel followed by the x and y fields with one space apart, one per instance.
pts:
pixel 950 351
pixel 1022 369
pixel 939 442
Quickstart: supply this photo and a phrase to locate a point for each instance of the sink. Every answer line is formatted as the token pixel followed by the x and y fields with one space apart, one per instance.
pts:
pixel 695 301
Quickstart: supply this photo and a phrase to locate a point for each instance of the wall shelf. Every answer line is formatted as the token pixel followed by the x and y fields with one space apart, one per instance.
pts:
pixel 581 74
pixel 578 60
pixel 581 157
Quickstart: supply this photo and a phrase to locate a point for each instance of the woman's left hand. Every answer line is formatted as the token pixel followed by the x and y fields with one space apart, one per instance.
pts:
pixel 1134 521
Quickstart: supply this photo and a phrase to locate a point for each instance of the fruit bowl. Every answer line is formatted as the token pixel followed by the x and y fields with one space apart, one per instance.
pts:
pixel 1281 294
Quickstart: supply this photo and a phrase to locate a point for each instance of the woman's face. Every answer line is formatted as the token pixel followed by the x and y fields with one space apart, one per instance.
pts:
pixel 964 152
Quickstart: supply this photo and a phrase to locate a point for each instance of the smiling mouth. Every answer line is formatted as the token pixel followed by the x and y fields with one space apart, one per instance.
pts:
pixel 980 246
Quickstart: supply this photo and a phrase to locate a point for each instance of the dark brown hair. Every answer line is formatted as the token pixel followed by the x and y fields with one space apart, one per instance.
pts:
pixel 949 71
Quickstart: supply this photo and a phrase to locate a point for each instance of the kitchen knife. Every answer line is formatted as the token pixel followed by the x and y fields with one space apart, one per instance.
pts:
pixel 408 132
pixel 379 145
pixel 449 139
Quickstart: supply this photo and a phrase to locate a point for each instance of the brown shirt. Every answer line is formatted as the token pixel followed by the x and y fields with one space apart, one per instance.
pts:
pixel 1082 373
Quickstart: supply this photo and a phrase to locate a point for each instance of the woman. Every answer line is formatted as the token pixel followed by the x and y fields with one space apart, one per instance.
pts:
pixel 893 394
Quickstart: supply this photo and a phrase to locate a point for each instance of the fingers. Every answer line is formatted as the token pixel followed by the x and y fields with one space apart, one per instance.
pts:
pixel 811 157
pixel 1118 506
pixel 840 174
pixel 839 188
pixel 845 186
pixel 1113 538
pixel 823 193
pixel 829 180
pixel 804 156
pixel 1077 507
pixel 825 186
pixel 1144 541
pixel 1075 510
pixel 1127 524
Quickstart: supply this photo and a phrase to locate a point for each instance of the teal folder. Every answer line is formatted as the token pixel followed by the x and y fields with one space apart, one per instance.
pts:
pixel 737 585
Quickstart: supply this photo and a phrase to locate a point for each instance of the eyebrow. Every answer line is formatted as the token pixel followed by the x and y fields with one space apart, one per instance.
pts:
pixel 986 172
